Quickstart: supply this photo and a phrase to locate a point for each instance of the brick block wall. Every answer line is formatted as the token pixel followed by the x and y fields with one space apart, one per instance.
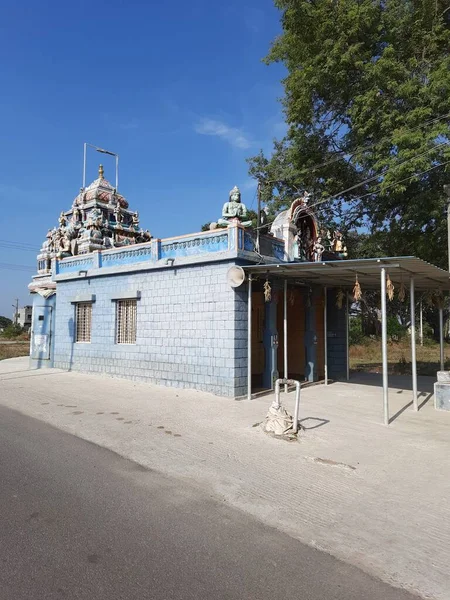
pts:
pixel 191 329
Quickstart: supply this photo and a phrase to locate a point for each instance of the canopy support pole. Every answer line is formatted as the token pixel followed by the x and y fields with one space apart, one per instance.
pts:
pixel 384 347
pixel 325 332
pixel 441 336
pixel 347 327
pixel 421 324
pixel 285 336
pixel 249 340
pixel 413 344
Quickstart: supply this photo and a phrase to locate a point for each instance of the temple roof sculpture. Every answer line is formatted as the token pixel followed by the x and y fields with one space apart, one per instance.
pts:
pixel 98 219
pixel 100 190
pixel 304 239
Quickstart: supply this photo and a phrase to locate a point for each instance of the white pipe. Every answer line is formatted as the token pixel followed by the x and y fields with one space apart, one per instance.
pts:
pixel 347 311
pixel 297 398
pixel 384 347
pixel 84 165
pixel 249 341
pixel 441 337
pixel 117 172
pixel 297 405
pixel 325 332
pixel 413 344
pixel 285 334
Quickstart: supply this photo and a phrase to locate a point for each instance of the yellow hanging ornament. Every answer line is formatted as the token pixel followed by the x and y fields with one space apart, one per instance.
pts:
pixel 357 293
pixel 340 298
pixel 267 291
pixel 402 292
pixel 390 288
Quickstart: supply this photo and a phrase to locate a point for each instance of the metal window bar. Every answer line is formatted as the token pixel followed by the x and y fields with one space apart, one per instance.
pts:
pixel 126 321
pixel 83 320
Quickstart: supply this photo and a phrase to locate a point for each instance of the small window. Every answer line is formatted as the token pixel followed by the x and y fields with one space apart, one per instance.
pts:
pixel 126 316
pixel 83 321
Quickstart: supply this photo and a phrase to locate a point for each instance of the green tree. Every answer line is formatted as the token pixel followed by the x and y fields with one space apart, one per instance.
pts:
pixel 366 103
pixel 12 331
pixel 4 322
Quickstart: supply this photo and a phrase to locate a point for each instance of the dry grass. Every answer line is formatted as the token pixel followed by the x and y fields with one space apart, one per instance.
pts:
pixel 14 349
pixel 367 357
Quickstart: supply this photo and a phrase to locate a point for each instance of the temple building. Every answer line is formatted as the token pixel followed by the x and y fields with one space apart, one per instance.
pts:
pixel 227 310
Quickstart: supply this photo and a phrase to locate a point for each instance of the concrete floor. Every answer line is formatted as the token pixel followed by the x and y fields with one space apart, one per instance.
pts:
pixel 80 522
pixel 376 497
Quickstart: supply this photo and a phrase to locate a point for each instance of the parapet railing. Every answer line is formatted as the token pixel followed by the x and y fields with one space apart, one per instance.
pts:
pixel 232 239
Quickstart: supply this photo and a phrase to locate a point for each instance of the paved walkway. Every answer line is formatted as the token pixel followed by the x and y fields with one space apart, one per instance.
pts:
pixel 377 497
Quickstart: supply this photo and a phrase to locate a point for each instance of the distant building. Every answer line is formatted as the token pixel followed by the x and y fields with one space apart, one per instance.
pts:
pixel 24 316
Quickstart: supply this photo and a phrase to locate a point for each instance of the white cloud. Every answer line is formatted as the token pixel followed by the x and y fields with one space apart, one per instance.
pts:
pixel 250 184
pixel 234 136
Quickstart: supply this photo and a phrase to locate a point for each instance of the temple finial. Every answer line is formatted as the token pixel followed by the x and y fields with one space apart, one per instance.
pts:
pixel 101 171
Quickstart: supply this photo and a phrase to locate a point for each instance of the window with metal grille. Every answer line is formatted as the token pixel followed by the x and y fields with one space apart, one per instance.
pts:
pixel 83 321
pixel 126 317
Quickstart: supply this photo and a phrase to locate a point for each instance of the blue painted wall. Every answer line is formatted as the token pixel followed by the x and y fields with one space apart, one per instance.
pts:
pixel 191 328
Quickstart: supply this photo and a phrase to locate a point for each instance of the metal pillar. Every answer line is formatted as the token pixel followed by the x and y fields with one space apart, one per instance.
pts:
pixel 347 326
pixel 441 337
pixel 249 341
pixel 384 347
pixel 413 344
pixel 421 324
pixel 325 332
pixel 285 338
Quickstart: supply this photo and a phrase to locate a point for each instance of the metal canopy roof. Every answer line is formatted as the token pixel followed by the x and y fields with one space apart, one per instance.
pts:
pixel 342 273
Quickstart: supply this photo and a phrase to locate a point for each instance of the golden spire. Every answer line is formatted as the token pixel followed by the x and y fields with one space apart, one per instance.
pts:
pixel 101 172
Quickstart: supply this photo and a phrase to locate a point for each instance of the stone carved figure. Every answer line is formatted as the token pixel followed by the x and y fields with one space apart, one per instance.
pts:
pixel 62 219
pixel 234 210
pixel 118 214
pixel 95 219
pixel 135 220
pixel 318 250
pixel 76 215
pixel 143 236
pixel 337 242
pixel 305 198
pixel 49 245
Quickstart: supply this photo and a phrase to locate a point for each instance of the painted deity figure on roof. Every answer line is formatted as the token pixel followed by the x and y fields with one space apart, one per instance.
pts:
pixel 234 210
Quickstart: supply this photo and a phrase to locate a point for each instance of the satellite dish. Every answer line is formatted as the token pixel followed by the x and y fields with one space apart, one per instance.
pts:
pixel 235 276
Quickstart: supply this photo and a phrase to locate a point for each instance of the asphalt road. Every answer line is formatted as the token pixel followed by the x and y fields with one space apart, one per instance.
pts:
pixel 80 522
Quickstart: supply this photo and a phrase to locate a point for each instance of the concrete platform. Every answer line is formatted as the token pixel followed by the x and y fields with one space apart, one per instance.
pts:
pixel 374 496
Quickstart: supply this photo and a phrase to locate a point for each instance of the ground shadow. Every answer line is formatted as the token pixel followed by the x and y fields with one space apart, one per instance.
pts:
pixel 401 382
pixel 409 404
pixel 319 422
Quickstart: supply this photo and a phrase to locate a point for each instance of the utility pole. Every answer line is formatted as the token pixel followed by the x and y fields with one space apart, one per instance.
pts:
pixel 16 311
pixel 447 191
pixel 258 217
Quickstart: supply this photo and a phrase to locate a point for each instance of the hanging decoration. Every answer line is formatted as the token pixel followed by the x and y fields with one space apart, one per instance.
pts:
pixel 340 296
pixel 308 298
pixel 291 299
pixel 267 291
pixel 390 288
pixel 402 292
pixel 357 293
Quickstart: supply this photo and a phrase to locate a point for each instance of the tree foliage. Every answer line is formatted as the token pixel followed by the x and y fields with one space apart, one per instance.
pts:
pixel 366 103
pixel 4 322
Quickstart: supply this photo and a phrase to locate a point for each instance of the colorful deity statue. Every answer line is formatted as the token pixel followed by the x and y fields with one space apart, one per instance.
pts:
pixel 234 210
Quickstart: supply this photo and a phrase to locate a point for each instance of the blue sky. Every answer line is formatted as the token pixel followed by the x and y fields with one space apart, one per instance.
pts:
pixel 176 88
